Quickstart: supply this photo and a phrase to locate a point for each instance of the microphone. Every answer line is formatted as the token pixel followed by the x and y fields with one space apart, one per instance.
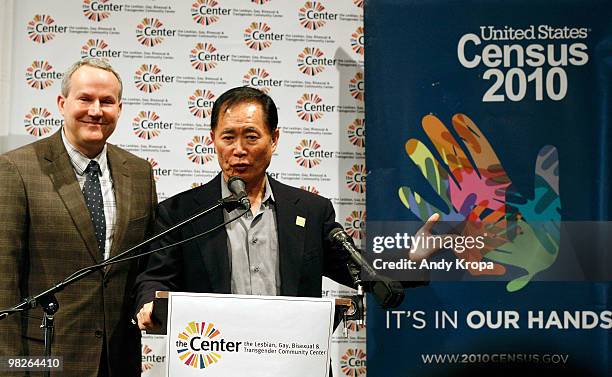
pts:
pixel 237 186
pixel 388 293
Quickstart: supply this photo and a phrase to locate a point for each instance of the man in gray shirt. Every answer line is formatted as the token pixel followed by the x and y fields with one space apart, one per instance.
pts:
pixel 279 248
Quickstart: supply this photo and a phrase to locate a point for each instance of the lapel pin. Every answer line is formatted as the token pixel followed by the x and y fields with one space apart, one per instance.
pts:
pixel 300 221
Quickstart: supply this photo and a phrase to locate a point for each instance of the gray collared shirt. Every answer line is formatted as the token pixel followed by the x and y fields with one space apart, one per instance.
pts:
pixel 252 243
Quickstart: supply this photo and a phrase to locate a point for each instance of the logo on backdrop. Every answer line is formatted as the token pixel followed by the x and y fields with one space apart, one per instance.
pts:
pixel 308 153
pixel 149 78
pixel 310 107
pixel 353 362
pixel 204 57
pixel 259 36
pixel 359 3
pixel 356 178
pixel 158 172
pixel 201 344
pixel 312 61
pixel 353 224
pixel 313 16
pixel 356 86
pixel 42 28
pixel 311 189
pixel 200 150
pixel 207 12
pixel 356 132
pixel 41 75
pixel 151 32
pixel 39 122
pixel 260 79
pixel 357 41
pixel 98 48
pixel 517 71
pixel 200 103
pixel 99 10
pixel 260 2
pixel 147 125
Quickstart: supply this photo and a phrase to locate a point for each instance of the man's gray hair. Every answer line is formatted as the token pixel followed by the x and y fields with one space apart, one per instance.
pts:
pixel 91 62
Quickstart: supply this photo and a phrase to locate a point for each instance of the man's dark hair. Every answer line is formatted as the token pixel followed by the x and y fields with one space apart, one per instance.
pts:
pixel 244 94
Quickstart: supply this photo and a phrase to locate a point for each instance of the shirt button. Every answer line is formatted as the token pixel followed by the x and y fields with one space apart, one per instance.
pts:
pixel 98 333
pixel 255 268
pixel 254 240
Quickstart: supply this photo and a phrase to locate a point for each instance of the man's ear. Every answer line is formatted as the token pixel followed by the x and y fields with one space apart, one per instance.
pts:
pixel 212 137
pixel 275 136
pixel 61 101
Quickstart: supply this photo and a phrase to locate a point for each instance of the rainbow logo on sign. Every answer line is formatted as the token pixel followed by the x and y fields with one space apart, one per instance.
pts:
pixel 202 63
pixel 307 15
pixel 151 39
pixel 95 10
pixel 140 122
pixel 145 351
pixel 38 122
pixel 306 106
pixel 356 132
pixel 354 224
pixel 357 41
pixel 92 44
pixel 40 75
pixel 141 78
pixel 303 149
pixel 307 61
pixel 255 76
pixel 355 178
pixel 353 362
pixel 200 103
pixel 202 12
pixel 356 86
pixel 44 22
pixel 200 150
pixel 200 359
pixel 257 29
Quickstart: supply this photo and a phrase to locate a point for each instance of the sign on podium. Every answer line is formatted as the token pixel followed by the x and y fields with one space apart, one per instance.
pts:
pixel 234 335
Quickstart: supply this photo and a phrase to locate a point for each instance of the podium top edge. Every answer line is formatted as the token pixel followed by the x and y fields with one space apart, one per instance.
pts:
pixel 344 302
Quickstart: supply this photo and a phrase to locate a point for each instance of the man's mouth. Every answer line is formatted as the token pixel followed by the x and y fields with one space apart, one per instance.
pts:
pixel 240 167
pixel 93 122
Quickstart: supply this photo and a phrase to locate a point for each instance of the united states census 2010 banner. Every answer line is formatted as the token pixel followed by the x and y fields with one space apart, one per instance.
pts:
pixel 496 116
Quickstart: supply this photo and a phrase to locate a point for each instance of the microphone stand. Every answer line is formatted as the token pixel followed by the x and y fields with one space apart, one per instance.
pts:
pixel 357 309
pixel 48 301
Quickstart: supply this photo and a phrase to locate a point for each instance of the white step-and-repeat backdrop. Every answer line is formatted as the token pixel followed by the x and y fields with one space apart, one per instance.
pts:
pixel 176 58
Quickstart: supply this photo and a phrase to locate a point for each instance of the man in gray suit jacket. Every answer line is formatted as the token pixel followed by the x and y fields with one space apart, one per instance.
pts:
pixel 52 227
pixel 279 248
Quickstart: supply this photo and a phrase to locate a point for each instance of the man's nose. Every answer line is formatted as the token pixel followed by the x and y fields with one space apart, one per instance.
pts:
pixel 94 109
pixel 239 147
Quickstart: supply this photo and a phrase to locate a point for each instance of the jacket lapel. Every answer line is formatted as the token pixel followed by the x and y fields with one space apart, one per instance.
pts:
pixel 122 183
pixel 290 237
pixel 213 247
pixel 61 172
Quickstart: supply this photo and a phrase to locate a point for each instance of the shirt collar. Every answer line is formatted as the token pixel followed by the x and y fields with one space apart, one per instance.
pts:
pixel 268 194
pixel 80 161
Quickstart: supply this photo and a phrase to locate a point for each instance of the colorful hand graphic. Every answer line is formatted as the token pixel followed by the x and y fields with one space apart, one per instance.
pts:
pixel 478 194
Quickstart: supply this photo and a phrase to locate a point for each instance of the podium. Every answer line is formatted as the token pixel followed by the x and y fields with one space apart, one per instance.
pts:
pixel 226 335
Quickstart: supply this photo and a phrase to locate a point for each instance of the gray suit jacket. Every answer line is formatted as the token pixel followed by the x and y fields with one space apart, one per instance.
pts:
pixel 47 233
